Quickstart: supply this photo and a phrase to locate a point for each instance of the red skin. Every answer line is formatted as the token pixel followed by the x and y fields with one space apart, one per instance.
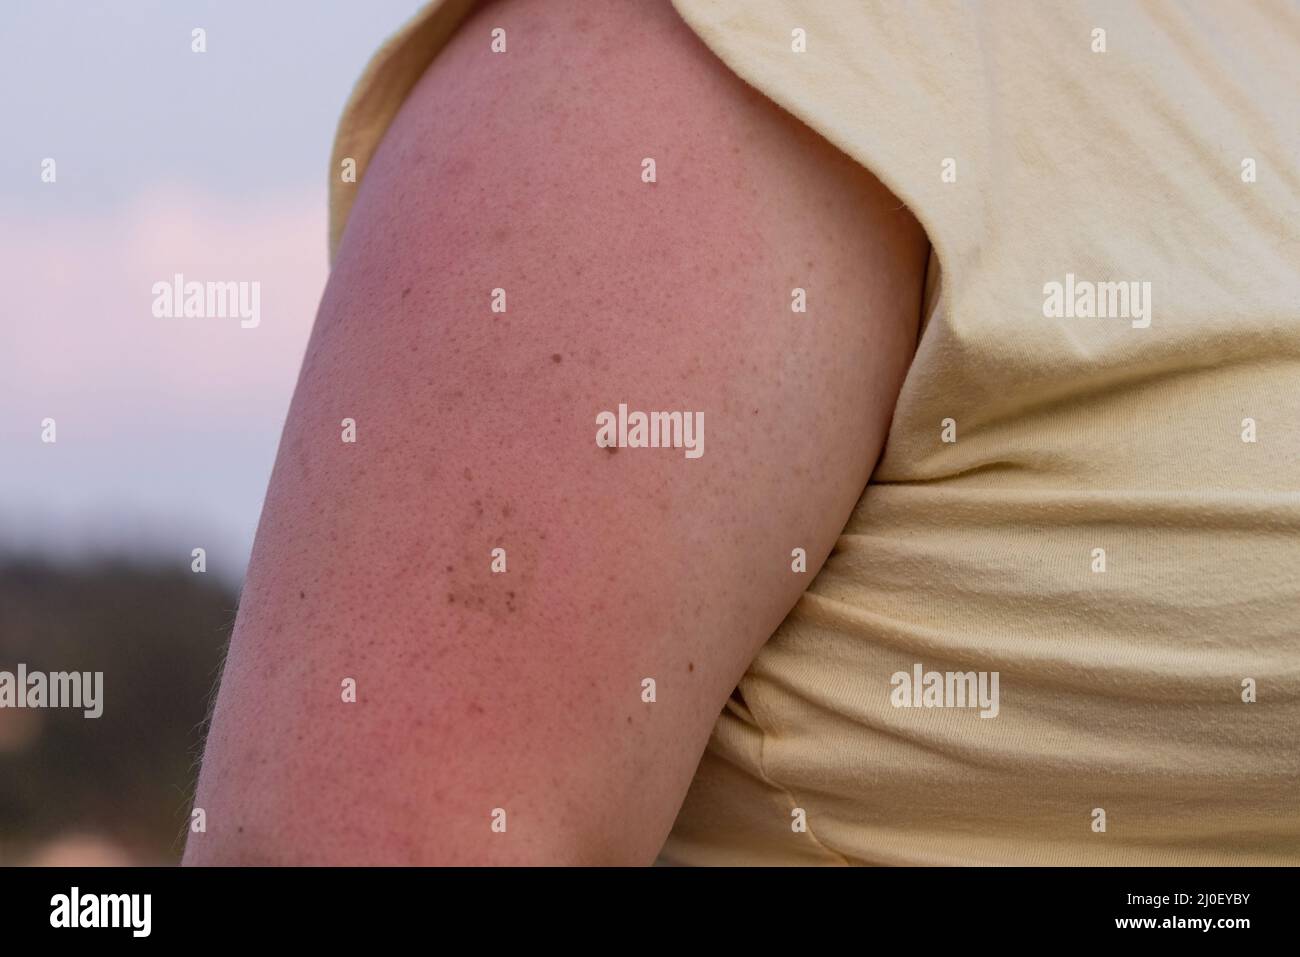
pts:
pixel 523 690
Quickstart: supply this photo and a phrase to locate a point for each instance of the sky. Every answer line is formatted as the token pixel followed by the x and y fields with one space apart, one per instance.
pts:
pixel 213 165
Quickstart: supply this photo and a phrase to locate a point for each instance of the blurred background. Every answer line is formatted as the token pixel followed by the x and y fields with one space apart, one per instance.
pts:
pixel 213 165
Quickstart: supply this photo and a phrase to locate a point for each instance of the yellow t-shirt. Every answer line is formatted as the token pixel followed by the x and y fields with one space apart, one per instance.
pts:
pixel 1091 487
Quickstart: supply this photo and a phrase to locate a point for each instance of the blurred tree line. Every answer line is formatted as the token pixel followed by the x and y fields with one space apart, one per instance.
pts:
pixel 115 789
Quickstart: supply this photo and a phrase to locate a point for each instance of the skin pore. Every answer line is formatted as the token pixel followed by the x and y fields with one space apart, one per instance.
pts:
pixel 523 690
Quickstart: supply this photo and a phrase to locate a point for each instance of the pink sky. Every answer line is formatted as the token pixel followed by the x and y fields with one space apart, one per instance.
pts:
pixel 166 427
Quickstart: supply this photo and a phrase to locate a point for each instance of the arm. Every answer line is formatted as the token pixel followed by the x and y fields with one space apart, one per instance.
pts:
pixel 522 690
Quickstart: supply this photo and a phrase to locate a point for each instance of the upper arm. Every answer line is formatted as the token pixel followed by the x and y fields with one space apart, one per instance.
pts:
pixel 476 430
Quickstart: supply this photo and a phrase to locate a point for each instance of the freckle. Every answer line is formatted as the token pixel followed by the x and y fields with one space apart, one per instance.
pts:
pixel 406 292
pixel 556 357
pixel 629 719
pixel 451 599
pixel 449 568
pixel 460 166
pixel 611 449
pixel 690 666
pixel 302 594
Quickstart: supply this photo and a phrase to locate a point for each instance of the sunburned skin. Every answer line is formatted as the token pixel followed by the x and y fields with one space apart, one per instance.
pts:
pixel 525 691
